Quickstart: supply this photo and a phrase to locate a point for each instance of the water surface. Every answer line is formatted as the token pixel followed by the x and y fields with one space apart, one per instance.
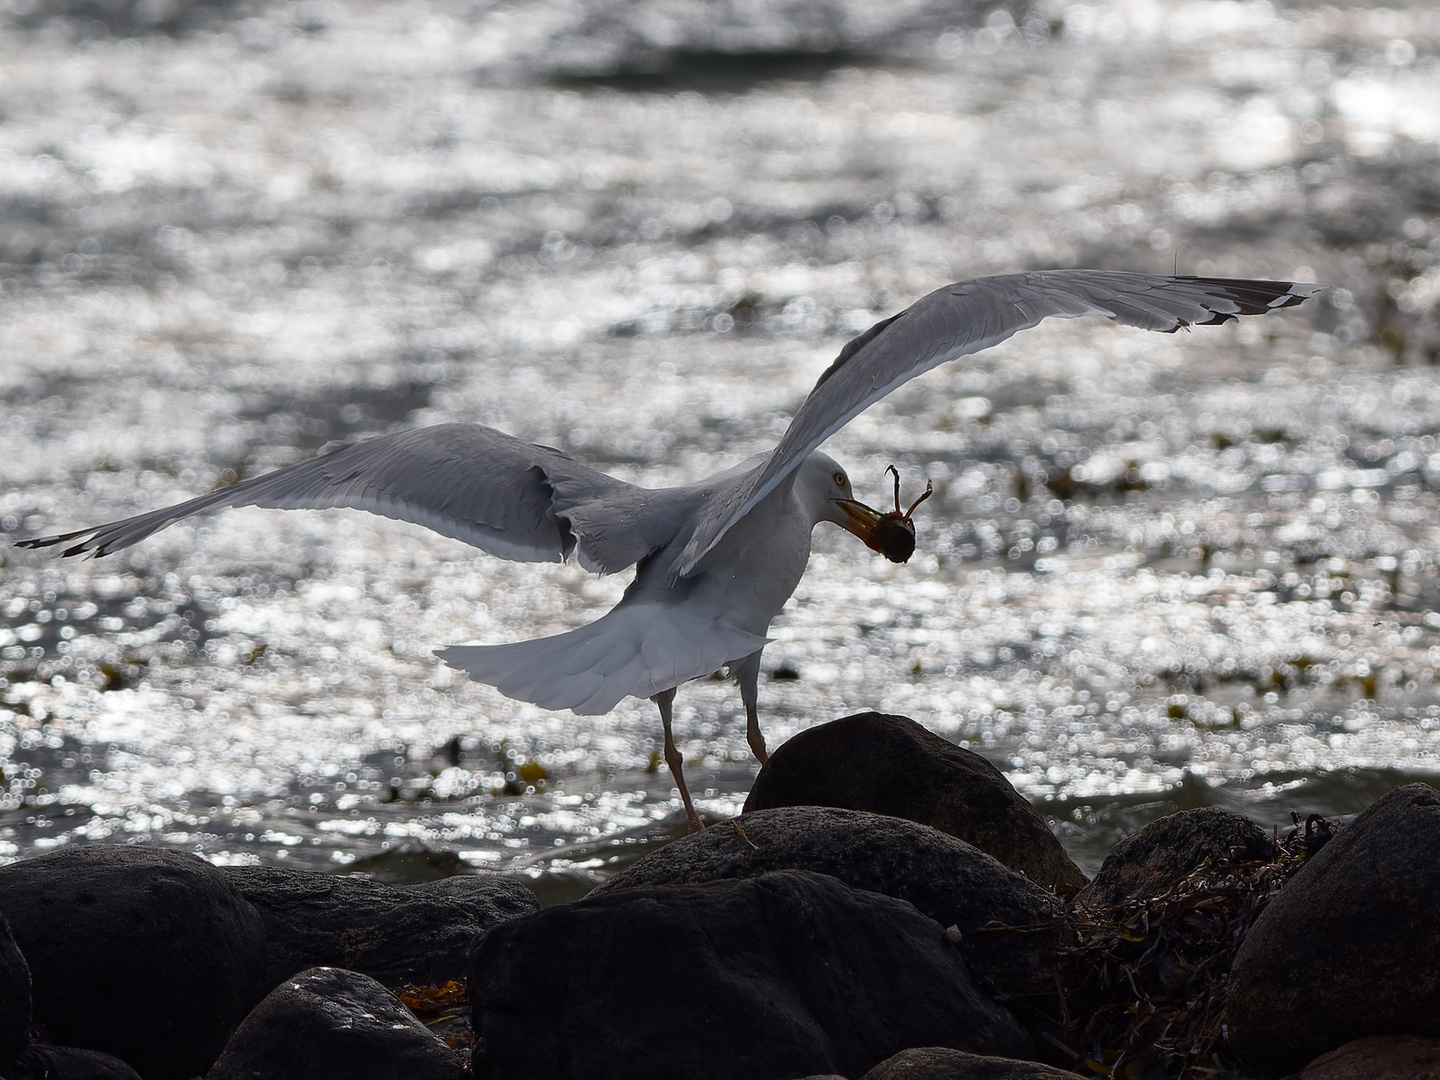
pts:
pixel 1158 571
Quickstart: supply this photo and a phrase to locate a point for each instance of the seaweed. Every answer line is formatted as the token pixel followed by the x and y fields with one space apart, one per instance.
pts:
pixel 444 1008
pixel 1140 987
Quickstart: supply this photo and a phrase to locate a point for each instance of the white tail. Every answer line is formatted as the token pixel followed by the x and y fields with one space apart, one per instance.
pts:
pixel 636 650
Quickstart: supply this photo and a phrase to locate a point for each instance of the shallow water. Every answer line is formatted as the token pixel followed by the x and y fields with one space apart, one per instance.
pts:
pixel 1158 571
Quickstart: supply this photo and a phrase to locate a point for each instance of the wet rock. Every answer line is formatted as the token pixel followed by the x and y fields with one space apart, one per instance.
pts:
pixel 784 975
pixel 397 934
pixel 1379 1057
pixel 147 954
pixel 1148 862
pixel 892 765
pixel 41 1061
pixel 938 1063
pixel 14 997
pixel 328 1023
pixel 1351 946
pixel 947 879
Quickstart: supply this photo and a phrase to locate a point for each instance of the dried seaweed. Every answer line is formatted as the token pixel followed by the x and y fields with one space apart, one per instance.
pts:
pixel 444 1008
pixel 1140 987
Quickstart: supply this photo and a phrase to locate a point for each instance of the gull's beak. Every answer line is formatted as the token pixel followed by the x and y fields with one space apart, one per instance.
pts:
pixel 861 520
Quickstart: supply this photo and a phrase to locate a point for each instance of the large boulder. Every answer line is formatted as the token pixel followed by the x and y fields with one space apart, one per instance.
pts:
pixel 938 1063
pixel 1379 1057
pixel 947 879
pixel 397 934
pixel 14 998
pixel 789 974
pixel 41 1061
pixel 892 765
pixel 146 954
pixel 1351 946
pixel 329 1024
pixel 1148 862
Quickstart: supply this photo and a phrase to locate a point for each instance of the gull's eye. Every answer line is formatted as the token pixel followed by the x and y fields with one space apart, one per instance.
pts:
pixel 839 479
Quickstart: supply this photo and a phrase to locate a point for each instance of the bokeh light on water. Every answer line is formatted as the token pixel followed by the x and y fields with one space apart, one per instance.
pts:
pixel 1157 571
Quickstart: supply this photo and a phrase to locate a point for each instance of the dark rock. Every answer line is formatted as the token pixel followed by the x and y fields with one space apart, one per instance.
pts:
pixel 147 954
pixel 1379 1057
pixel 1148 862
pixel 947 879
pixel 892 765
pixel 784 975
pixel 1351 946
pixel 41 1061
pixel 397 934
pixel 938 1063
pixel 14 997
pixel 327 1023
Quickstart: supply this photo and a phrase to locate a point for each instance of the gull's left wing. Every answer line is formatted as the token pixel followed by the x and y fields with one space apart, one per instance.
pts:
pixel 965 318
pixel 511 498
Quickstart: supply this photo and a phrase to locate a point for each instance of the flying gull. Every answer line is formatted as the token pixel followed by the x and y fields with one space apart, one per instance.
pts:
pixel 716 559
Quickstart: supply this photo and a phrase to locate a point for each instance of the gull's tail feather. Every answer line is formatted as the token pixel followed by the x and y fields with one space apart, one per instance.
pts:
pixel 636 650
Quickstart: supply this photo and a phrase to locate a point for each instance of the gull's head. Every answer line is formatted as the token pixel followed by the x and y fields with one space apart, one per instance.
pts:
pixel 892 533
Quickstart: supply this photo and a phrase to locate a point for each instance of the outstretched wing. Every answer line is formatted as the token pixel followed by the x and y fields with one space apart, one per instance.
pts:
pixel 511 498
pixel 965 318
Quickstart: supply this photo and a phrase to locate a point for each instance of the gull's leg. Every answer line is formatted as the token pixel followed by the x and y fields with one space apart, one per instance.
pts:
pixel 746 672
pixel 663 701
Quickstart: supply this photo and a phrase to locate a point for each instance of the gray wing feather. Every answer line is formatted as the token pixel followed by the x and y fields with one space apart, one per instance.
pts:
pixel 469 482
pixel 965 318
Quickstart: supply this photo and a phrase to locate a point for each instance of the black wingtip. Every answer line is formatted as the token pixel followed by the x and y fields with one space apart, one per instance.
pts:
pixel 46 541
pixel 1256 297
pixel 37 542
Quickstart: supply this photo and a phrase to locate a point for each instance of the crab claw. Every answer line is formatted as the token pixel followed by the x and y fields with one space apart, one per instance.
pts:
pixel 895 538
pixel 892 534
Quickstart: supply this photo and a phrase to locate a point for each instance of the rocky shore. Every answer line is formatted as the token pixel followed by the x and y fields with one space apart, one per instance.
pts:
pixel 886 906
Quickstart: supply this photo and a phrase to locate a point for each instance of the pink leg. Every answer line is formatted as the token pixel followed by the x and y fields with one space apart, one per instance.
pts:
pixel 746 672
pixel 663 701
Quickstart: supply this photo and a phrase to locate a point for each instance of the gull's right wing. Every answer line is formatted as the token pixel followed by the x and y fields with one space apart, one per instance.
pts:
pixel 964 318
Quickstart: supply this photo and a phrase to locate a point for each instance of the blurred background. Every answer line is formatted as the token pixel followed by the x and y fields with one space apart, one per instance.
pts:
pixel 1159 571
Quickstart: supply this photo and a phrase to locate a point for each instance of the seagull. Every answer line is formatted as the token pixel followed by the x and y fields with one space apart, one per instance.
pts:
pixel 716 559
